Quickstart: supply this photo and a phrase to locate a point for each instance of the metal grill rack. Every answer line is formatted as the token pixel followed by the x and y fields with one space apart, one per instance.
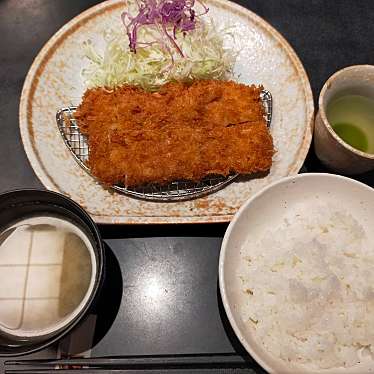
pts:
pixel 174 191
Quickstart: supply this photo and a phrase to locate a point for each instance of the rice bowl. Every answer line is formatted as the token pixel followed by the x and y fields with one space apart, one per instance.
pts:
pixel 308 306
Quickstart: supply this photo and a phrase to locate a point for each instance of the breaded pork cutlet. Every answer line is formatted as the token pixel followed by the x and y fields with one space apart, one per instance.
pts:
pixel 181 132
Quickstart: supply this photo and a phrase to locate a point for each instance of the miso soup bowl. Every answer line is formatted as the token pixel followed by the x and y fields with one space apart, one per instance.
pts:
pixel 332 151
pixel 21 204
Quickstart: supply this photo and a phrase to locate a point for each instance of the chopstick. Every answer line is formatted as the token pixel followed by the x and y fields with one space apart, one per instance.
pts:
pixel 220 363
pixel 151 371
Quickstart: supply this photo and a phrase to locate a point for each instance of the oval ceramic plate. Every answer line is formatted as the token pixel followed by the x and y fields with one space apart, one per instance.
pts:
pixel 54 82
pixel 286 203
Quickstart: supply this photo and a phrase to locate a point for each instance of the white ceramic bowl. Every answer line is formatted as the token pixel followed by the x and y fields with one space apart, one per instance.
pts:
pixel 267 209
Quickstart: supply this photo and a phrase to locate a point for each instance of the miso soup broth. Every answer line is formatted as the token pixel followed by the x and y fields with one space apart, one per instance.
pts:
pixel 47 273
pixel 352 118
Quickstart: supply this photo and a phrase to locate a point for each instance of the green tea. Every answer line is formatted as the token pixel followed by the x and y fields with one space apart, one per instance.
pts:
pixel 352 118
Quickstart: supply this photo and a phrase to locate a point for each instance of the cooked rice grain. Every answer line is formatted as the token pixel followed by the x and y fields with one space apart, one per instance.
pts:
pixel 312 295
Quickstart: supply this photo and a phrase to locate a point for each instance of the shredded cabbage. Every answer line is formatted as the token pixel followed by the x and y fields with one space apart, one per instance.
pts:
pixel 205 57
pixel 170 16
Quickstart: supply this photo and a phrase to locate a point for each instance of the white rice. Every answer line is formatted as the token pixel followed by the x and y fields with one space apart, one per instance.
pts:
pixel 309 289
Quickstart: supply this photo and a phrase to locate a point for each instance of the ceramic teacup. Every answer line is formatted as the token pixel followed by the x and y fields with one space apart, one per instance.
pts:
pixel 332 151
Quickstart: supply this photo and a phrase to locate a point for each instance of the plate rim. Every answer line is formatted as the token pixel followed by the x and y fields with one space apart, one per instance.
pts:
pixel 52 43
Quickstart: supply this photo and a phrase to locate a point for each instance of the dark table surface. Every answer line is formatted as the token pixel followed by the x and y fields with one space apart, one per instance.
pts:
pixel 163 298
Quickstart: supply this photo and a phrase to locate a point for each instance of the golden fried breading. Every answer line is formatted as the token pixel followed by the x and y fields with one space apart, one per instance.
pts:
pixel 181 132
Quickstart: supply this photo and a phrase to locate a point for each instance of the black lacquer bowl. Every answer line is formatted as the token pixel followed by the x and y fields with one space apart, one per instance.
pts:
pixel 18 205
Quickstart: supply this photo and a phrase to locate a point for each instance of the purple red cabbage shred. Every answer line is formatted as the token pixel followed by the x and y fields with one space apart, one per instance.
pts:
pixel 171 17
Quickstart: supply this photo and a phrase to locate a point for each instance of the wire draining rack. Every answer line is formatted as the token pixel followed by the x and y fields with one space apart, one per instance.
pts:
pixel 174 191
